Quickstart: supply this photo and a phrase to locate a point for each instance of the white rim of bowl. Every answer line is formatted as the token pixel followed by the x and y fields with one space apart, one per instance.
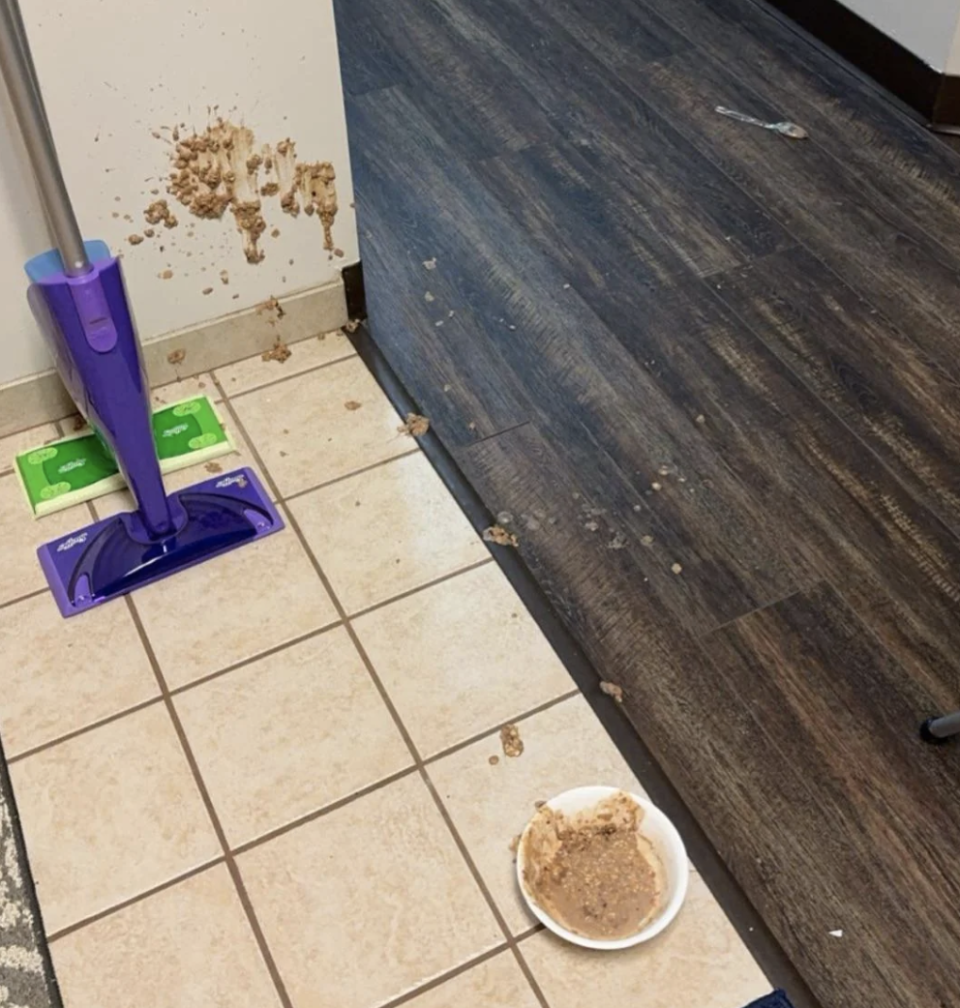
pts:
pixel 657 926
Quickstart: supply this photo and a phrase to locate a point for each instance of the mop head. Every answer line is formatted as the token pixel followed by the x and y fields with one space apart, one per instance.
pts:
pixel 118 554
pixel 81 468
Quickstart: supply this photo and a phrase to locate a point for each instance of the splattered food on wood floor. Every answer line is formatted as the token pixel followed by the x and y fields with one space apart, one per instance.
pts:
pixel 176 356
pixel 499 535
pixel 414 425
pixel 511 741
pixel 279 352
pixel 612 690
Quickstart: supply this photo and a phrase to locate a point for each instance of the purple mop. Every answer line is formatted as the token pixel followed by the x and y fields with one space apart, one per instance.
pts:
pixel 78 297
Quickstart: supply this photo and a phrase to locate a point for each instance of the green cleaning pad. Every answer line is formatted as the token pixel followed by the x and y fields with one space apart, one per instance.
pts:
pixel 75 469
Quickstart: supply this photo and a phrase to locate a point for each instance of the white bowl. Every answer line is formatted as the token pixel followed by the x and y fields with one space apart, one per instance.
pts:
pixel 661 833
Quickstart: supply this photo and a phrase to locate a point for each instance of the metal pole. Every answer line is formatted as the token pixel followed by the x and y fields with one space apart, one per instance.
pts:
pixel 939 729
pixel 16 64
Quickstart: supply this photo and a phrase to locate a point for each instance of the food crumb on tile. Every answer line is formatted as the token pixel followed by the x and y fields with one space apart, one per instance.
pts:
pixel 279 352
pixel 493 760
pixel 213 467
pixel 511 741
pixel 176 356
pixel 677 568
pixel 430 264
pixel 656 486
pixel 165 274
pixel 352 326
pixel 135 239
pixel 352 405
pixel 207 290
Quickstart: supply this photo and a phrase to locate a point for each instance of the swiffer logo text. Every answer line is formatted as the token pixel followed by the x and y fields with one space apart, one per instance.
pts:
pixel 70 466
pixel 68 544
pixel 174 431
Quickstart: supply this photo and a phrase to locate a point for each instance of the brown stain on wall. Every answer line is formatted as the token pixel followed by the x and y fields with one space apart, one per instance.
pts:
pixel 220 169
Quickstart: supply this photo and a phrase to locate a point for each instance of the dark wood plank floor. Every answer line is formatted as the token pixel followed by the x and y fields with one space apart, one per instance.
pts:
pixel 714 375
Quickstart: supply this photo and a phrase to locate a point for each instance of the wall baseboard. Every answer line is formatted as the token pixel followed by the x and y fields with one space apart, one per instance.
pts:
pixel 934 95
pixel 41 398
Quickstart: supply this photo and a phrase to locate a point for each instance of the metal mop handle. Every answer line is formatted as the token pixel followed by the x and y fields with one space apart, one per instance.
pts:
pixel 17 67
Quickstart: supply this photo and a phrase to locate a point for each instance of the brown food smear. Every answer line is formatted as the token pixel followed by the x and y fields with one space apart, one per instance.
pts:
pixel 278 352
pixel 612 690
pixel 158 212
pixel 511 741
pixel 414 425
pixel 219 168
pixel 499 535
pixel 594 872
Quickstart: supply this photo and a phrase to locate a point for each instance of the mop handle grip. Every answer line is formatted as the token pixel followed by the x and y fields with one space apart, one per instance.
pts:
pixel 16 65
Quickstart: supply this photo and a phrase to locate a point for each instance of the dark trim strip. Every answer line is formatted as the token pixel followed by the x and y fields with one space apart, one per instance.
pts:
pixel 935 95
pixel 354 290
pixel 750 926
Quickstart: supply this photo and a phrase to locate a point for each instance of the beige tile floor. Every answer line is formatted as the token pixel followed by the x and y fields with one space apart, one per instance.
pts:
pixel 267 781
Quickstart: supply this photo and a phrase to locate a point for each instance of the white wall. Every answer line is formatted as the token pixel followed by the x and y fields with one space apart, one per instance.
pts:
pixel 926 27
pixel 115 71
pixel 953 58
